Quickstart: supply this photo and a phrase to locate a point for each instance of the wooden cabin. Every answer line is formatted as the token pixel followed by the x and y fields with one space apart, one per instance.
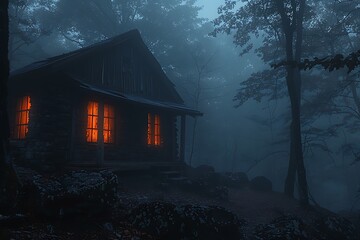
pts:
pixel 106 105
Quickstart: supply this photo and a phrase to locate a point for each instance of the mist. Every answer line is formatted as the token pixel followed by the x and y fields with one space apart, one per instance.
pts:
pixel 220 59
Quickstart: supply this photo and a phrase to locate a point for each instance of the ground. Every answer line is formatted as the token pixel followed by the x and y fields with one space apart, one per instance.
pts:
pixel 256 209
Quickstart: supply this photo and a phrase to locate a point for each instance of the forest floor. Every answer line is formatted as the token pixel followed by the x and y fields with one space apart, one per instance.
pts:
pixel 255 207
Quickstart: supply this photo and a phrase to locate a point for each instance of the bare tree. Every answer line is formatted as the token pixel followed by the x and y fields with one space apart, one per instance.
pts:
pixel 201 71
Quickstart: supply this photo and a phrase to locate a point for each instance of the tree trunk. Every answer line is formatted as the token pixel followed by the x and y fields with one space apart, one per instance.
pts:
pixel 293 81
pixel 8 178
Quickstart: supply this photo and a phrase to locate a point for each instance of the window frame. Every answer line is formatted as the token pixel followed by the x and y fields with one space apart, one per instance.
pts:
pixel 111 118
pixel 154 138
pixel 20 120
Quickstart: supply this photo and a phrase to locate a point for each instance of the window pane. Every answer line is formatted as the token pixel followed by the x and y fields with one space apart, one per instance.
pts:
pixel 111 112
pixel 95 122
pixel 106 124
pixel 22 132
pixel 22 117
pixel 94 135
pixel 106 110
pixel 92 122
pixel 149 130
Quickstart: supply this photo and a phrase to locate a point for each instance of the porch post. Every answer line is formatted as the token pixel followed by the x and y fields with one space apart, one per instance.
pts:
pixel 100 150
pixel 182 138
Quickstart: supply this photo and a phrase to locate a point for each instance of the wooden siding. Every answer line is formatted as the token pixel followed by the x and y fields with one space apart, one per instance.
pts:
pixel 130 135
pixel 48 140
pixel 124 69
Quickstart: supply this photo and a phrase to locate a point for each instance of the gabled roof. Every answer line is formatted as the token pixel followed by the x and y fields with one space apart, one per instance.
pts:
pixel 170 106
pixel 60 62
pixel 57 63
pixel 133 34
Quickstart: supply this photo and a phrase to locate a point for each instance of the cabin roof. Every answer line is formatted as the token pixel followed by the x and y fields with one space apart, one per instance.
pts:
pixel 45 64
pixel 170 106
pixel 58 63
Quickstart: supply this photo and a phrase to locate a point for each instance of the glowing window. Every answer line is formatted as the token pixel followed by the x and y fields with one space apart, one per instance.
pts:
pixel 153 132
pixel 149 130
pixel 22 117
pixel 157 130
pixel 92 123
pixel 109 122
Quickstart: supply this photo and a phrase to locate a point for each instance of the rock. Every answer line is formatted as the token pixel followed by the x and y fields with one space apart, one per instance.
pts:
pixel 285 227
pixel 261 184
pixel 335 227
pixel 158 219
pixel 209 222
pixel 166 221
pixel 235 179
pixel 77 192
pixel 291 227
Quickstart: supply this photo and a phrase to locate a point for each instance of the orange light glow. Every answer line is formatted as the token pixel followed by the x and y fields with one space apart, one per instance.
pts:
pixel 109 122
pixel 92 124
pixel 22 117
pixel 157 131
pixel 149 130
pixel 153 132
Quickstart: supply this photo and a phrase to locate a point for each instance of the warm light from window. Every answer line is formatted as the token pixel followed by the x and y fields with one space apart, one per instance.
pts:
pixel 93 126
pixel 92 123
pixel 153 132
pixel 149 131
pixel 22 117
pixel 109 122
pixel 157 131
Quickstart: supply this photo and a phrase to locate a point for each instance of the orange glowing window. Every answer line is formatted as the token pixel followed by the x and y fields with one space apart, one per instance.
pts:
pixel 109 122
pixel 153 132
pixel 92 123
pixel 22 117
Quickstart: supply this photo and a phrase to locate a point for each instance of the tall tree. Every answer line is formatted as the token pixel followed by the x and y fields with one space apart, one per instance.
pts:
pixel 8 180
pixel 280 23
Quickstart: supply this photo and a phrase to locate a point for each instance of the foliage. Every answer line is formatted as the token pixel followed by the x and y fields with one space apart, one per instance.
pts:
pixel 27 24
pixel 328 63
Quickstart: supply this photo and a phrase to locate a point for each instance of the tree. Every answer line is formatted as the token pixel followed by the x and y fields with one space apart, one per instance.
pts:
pixel 8 179
pixel 26 25
pixel 201 69
pixel 281 25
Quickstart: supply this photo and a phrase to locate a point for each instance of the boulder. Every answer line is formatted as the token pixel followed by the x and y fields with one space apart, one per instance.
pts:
pixel 284 227
pixel 76 192
pixel 209 222
pixel 335 227
pixel 235 179
pixel 292 227
pixel 158 219
pixel 261 184
pixel 167 221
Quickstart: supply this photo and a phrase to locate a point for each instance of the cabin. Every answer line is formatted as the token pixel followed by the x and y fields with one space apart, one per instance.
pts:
pixel 108 105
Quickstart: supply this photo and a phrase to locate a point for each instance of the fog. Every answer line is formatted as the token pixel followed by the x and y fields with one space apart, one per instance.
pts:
pixel 253 137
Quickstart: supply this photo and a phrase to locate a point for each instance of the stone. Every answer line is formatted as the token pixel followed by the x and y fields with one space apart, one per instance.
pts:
pixel 167 221
pixel 235 179
pixel 77 192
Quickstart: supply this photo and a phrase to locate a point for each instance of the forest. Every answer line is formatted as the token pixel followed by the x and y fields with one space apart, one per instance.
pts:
pixel 274 92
